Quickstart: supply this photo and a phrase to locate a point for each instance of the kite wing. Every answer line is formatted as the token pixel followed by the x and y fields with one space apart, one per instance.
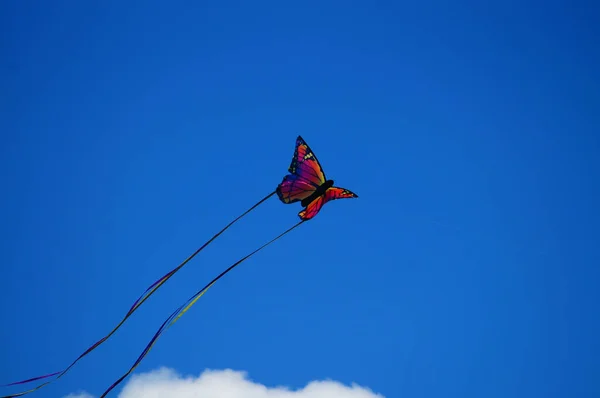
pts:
pixel 293 189
pixel 332 193
pixel 305 164
pixel 306 175
pixel 312 209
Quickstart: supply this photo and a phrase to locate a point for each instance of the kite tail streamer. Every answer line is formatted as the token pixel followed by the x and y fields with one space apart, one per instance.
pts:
pixel 149 291
pixel 32 379
pixel 178 313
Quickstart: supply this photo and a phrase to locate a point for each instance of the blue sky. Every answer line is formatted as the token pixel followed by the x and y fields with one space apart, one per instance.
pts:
pixel 468 267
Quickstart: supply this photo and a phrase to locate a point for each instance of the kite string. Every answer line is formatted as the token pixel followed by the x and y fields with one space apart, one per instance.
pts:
pixel 178 313
pixel 162 280
pixel 147 293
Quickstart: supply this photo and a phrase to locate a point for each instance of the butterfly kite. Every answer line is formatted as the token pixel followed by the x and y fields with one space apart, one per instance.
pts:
pixel 306 184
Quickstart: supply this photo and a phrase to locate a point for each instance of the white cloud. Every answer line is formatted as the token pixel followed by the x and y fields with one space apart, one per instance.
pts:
pixel 166 383
pixel 80 395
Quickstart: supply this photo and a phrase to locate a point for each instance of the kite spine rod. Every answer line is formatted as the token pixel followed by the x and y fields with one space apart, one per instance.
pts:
pixel 147 293
pixel 178 313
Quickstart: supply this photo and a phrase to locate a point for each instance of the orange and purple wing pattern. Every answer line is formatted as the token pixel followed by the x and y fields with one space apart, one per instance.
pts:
pixel 332 193
pixel 293 189
pixel 306 175
pixel 307 183
pixel 305 164
pixel 312 209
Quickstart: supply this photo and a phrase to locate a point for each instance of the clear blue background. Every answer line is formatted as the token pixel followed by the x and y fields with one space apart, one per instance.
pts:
pixel 468 267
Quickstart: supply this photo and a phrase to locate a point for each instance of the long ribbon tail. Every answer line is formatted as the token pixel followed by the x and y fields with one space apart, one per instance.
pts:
pixel 32 379
pixel 147 293
pixel 178 313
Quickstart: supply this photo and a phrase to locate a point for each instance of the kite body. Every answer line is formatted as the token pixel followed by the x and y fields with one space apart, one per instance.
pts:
pixel 307 183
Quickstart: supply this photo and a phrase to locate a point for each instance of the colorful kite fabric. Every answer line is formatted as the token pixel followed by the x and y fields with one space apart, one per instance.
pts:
pixel 306 184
